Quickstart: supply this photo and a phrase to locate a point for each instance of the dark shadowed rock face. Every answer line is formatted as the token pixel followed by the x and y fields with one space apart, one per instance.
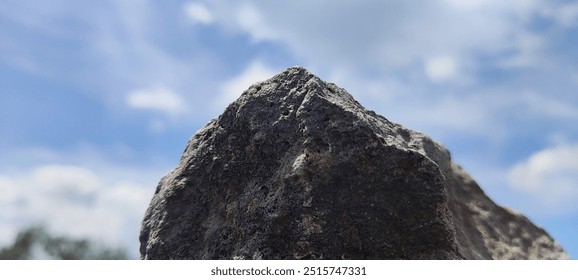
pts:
pixel 297 169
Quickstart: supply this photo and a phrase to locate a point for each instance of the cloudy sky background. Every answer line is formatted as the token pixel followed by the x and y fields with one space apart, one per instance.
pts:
pixel 99 98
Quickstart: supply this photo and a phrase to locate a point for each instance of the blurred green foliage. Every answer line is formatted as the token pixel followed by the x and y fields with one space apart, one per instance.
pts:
pixel 36 243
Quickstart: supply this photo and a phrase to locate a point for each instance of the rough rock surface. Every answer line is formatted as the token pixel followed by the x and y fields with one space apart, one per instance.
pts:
pixel 297 169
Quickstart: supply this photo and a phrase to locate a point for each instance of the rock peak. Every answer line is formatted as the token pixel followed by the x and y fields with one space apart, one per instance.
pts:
pixel 295 71
pixel 297 169
pixel 291 79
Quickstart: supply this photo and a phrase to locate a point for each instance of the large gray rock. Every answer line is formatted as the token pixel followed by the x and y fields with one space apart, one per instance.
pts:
pixel 297 169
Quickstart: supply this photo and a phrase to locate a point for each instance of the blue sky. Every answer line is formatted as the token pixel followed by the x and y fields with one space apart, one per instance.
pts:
pixel 99 98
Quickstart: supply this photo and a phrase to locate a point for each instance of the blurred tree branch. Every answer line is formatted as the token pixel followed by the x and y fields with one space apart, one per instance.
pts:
pixel 36 243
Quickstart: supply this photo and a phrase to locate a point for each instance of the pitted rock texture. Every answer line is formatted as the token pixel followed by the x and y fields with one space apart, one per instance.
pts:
pixel 297 169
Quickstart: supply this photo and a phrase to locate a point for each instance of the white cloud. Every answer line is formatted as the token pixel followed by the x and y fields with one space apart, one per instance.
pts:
pixel 81 192
pixel 382 34
pixel 441 68
pixel 76 201
pixel 550 176
pixel 157 99
pixel 257 71
pixel 198 13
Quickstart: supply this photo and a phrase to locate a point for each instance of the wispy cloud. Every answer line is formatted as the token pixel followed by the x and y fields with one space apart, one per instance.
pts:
pixel 407 34
pixel 544 106
pixel 565 14
pixel 251 21
pixel 109 48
